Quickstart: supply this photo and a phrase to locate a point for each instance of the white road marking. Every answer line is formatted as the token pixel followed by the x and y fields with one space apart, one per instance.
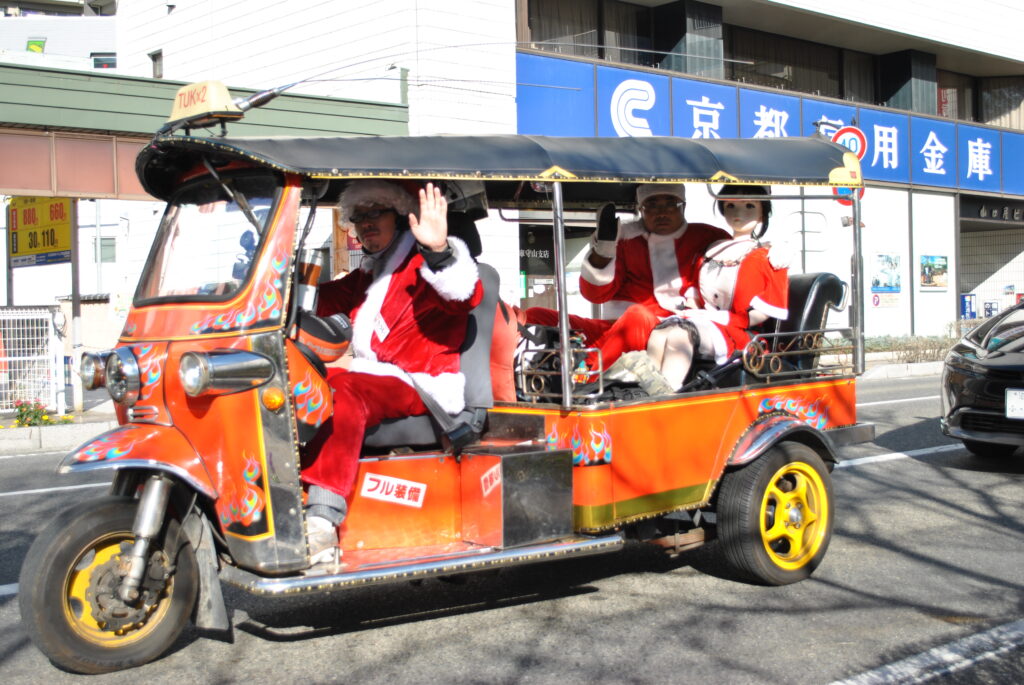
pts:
pixel 41 491
pixel 945 659
pixel 907 399
pixel 11 589
pixel 890 456
pixel 30 454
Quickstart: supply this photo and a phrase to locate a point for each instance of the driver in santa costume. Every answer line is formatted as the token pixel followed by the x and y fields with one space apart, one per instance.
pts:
pixel 409 304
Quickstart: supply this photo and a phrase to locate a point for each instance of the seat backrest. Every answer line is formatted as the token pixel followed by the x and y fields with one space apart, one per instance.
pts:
pixel 810 296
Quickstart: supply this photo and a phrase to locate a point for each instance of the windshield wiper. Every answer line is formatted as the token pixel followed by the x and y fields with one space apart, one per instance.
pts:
pixel 238 198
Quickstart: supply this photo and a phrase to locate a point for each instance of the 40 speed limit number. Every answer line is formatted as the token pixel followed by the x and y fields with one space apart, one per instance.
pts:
pixel 40 230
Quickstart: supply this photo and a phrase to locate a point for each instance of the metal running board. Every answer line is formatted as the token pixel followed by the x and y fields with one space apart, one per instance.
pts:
pixel 489 558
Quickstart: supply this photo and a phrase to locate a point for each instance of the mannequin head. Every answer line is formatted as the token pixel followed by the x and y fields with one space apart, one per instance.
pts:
pixel 746 218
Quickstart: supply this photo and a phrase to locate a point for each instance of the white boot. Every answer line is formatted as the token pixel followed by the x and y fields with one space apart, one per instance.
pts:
pixel 322 538
pixel 647 374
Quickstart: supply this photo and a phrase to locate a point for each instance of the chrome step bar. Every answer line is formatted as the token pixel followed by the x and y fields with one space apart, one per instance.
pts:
pixel 318 580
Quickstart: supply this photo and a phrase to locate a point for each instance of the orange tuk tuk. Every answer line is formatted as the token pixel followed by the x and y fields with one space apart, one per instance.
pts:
pixel 219 398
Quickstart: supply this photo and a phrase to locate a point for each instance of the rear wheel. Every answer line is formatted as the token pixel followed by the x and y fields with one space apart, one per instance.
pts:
pixel 992 450
pixel 775 515
pixel 68 590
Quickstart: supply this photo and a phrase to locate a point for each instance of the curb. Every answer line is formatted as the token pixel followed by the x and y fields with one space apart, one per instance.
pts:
pixel 903 370
pixel 52 438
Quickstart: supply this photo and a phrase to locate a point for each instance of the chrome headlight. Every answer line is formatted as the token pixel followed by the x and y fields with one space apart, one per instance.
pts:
pixel 93 369
pixel 122 376
pixel 194 371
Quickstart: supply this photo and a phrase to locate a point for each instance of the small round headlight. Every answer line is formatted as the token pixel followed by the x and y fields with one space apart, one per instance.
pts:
pixel 123 381
pixel 92 371
pixel 195 373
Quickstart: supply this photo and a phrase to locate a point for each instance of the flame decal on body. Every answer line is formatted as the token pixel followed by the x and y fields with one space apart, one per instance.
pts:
pixel 595 449
pixel 310 400
pixel 264 307
pixel 150 360
pixel 812 413
pixel 243 503
pixel 114 446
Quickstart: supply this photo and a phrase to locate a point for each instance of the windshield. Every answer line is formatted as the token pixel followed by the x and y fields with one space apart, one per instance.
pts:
pixel 209 238
pixel 1007 334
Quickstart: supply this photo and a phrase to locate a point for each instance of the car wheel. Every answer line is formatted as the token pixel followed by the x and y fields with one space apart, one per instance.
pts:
pixel 775 515
pixel 992 450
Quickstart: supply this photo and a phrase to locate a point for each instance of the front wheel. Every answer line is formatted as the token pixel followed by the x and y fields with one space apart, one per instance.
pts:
pixel 68 590
pixel 775 515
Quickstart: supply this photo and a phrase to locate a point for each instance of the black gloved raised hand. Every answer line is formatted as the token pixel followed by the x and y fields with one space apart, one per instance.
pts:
pixel 602 242
pixel 607 223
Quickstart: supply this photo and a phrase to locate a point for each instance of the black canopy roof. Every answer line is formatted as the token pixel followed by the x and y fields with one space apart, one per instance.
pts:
pixel 793 161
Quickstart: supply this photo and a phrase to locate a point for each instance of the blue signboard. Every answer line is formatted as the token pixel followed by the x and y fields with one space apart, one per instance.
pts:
pixel 888 136
pixel 979 160
pixel 933 152
pixel 767 115
pixel 703 110
pixel 832 117
pixel 1013 170
pixel 632 103
pixel 554 97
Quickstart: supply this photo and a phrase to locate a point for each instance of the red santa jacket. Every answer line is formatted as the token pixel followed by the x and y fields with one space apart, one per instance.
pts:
pixel 649 269
pixel 758 286
pixel 410 320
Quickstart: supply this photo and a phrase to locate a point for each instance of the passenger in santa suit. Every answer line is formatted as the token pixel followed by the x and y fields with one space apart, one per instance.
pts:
pixel 409 303
pixel 741 283
pixel 639 271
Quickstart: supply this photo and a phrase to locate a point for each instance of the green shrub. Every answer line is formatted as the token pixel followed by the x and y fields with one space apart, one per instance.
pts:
pixel 34 413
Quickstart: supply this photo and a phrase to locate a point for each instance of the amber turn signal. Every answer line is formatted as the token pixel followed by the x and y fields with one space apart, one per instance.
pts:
pixel 273 398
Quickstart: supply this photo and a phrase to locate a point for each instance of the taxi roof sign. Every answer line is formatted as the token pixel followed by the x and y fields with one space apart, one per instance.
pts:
pixel 202 104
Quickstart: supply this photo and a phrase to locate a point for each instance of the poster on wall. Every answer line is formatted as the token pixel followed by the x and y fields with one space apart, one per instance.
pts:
pixel 885 273
pixel 934 272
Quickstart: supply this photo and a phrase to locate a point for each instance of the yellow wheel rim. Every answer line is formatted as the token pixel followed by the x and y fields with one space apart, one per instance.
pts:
pixel 794 516
pixel 77 609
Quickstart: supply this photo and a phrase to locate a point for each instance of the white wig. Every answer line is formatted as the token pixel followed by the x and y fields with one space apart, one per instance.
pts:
pixel 362 193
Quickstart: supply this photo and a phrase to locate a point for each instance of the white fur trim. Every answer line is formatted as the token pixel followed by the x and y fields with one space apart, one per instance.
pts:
pixel 676 190
pixel 595 276
pixel 771 310
pixel 603 248
pixel 376 192
pixel 447 389
pixel 363 325
pixel 661 251
pixel 457 282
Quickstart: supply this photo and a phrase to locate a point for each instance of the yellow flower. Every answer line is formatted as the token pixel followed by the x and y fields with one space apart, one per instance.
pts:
pixel 46 417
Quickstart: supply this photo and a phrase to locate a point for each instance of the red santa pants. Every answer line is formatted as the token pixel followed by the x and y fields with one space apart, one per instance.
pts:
pixel 626 334
pixel 360 400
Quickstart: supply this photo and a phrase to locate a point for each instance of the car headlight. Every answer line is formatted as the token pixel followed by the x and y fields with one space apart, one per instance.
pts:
pixel 93 369
pixel 194 372
pixel 122 376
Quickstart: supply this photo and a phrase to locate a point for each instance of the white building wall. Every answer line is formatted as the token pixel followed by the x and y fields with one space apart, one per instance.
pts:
pixel 886 232
pixel 934 231
pixel 987 26
pixel 459 56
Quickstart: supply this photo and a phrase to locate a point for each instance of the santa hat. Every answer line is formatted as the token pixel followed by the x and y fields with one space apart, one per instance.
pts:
pixel 676 190
pixel 363 193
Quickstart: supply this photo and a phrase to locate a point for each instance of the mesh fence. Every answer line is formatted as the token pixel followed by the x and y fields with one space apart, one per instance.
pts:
pixel 31 361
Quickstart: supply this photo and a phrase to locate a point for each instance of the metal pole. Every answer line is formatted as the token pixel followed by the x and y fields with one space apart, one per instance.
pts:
pixel 76 314
pixel 561 297
pixel 857 276
pixel 10 267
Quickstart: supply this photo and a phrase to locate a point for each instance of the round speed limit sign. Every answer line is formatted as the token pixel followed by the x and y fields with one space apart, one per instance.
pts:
pixel 853 138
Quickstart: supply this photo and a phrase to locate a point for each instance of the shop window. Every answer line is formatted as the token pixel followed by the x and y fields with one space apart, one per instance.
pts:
pixel 774 61
pixel 955 95
pixel 107 252
pixel 1002 101
pixel 568 27
pixel 627 33
pixel 859 77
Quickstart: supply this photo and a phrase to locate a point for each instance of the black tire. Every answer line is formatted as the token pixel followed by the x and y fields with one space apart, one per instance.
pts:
pixel 62 569
pixel 757 543
pixel 989 450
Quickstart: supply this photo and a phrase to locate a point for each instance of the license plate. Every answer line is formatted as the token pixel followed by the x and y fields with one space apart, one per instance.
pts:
pixel 1014 403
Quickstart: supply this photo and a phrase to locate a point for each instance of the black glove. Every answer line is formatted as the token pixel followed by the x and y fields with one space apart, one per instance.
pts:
pixel 607 223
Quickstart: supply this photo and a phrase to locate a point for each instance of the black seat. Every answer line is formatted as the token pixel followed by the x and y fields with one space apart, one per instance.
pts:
pixel 474 362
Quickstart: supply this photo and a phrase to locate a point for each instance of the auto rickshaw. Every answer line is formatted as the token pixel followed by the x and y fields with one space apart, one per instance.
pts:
pixel 219 395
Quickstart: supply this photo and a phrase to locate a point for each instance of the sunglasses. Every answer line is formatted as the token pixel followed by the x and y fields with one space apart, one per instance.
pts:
pixel 368 215
pixel 661 208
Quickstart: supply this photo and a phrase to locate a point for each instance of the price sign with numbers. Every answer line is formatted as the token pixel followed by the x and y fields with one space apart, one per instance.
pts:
pixel 40 230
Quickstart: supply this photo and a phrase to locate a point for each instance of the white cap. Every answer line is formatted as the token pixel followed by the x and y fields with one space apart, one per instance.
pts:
pixel 676 190
pixel 365 192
